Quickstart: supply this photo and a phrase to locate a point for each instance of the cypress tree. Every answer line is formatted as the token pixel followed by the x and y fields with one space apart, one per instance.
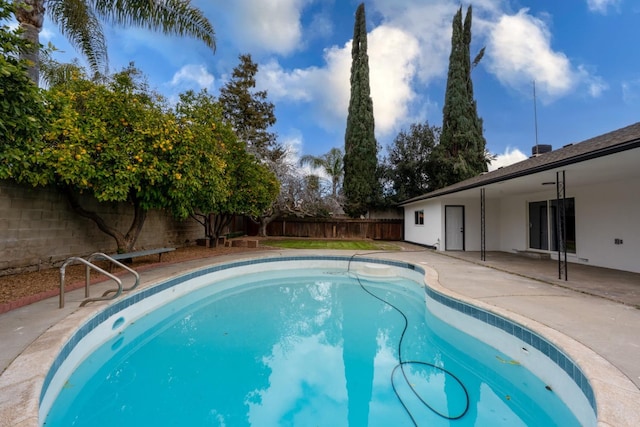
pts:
pixel 361 149
pixel 461 153
pixel 478 155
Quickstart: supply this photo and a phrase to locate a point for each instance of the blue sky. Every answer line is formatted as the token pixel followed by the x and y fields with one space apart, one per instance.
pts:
pixel 581 53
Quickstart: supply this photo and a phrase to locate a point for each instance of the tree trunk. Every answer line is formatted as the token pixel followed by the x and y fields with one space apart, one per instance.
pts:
pixel 30 16
pixel 264 223
pixel 267 217
pixel 140 215
pixel 125 242
pixel 262 230
pixel 220 221
pixel 205 222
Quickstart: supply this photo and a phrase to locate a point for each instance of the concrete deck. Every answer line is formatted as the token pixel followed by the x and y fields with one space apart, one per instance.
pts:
pixel 597 308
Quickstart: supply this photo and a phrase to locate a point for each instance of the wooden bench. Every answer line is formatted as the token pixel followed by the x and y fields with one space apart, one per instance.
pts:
pixel 137 254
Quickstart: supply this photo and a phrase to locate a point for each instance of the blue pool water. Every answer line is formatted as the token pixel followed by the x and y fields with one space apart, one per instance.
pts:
pixel 301 348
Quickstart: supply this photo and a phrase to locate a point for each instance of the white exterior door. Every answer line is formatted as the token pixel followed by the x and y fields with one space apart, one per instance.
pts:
pixel 454 228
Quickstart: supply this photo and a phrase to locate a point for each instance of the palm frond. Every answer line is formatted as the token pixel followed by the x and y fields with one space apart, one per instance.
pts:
pixel 80 25
pixel 478 58
pixel 55 73
pixel 176 17
pixel 313 161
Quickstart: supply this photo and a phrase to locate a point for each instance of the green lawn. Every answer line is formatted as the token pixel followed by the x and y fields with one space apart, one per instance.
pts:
pixel 367 245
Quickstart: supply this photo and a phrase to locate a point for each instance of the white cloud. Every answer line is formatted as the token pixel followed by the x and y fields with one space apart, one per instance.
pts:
pixel 293 145
pixel 601 6
pixel 519 48
pixel 193 73
pixel 631 91
pixel 45 35
pixel 509 157
pixel 595 85
pixel 325 90
pixel 321 25
pixel 337 89
pixel 519 51
pixel 272 26
pixel 392 67
pixel 286 85
pixel 392 54
pixel 290 377
pixel 430 24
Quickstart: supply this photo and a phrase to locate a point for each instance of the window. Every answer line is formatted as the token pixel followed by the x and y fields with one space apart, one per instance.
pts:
pixel 543 225
pixel 419 217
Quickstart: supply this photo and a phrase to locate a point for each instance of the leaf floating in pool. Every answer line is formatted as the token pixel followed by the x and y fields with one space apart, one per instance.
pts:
pixel 508 397
pixel 508 362
pixel 67 384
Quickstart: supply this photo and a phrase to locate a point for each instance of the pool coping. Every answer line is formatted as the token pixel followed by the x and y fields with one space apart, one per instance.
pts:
pixel 21 384
pixel 613 391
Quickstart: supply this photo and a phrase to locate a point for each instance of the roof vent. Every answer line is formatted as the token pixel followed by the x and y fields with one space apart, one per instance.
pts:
pixel 536 150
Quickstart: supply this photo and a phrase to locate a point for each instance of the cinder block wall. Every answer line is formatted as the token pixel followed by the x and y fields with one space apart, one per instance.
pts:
pixel 39 230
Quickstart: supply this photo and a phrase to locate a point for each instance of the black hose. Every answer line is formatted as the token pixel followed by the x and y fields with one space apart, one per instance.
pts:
pixel 401 363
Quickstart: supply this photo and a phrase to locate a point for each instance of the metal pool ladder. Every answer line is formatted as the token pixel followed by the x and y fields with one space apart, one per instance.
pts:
pixel 90 266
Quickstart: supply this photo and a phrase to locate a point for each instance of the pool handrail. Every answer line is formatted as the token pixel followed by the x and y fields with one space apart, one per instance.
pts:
pixel 87 274
pixel 100 255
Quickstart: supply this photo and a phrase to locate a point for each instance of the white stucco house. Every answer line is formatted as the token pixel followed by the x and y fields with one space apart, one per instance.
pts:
pixel 515 208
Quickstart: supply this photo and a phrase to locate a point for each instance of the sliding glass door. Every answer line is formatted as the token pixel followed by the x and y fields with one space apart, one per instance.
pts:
pixel 543 225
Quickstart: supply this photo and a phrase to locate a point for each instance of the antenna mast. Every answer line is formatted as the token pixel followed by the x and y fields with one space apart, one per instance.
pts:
pixel 535 115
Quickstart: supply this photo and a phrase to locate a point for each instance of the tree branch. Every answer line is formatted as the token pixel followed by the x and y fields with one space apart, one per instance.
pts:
pixel 97 219
pixel 139 216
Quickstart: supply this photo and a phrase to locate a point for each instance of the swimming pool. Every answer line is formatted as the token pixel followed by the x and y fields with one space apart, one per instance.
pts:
pixel 342 374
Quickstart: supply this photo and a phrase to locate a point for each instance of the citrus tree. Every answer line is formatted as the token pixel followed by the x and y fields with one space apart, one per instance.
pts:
pixel 249 187
pixel 119 142
pixel 200 158
pixel 254 188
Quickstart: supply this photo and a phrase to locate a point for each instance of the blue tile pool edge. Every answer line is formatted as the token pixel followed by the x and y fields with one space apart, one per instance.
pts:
pixel 527 336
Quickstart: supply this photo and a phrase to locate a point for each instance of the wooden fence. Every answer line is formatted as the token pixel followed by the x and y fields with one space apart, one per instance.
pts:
pixel 331 228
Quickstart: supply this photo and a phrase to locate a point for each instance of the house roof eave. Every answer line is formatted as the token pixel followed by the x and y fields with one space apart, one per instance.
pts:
pixel 503 174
